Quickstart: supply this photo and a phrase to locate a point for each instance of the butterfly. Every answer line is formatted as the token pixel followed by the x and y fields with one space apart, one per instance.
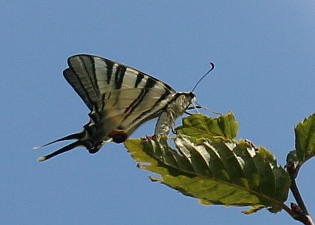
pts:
pixel 120 99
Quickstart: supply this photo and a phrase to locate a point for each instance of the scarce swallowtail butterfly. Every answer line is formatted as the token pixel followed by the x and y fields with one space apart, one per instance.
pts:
pixel 120 99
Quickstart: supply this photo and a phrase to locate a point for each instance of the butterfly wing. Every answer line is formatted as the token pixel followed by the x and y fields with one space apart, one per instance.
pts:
pixel 122 97
pixel 93 76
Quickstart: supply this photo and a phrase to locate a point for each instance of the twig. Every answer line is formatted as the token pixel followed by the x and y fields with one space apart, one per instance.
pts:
pixel 300 211
pixel 297 196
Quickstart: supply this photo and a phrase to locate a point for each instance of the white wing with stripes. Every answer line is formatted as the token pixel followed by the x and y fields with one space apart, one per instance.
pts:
pixel 120 99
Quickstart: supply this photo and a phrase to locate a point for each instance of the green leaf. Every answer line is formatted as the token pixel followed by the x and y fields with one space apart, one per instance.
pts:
pixel 305 139
pixel 212 167
pixel 198 125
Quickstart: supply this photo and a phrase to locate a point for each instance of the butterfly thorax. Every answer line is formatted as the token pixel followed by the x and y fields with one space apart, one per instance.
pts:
pixel 173 110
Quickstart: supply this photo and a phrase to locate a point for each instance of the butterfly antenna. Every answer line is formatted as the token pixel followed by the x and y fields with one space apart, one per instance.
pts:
pixel 211 68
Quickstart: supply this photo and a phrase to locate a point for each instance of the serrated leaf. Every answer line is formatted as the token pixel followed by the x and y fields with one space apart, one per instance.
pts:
pixel 215 170
pixel 198 125
pixel 305 139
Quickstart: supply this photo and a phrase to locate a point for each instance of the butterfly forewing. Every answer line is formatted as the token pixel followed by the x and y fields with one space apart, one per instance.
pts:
pixel 120 98
pixel 93 76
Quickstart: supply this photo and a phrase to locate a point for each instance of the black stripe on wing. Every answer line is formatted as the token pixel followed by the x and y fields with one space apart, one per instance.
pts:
pixel 119 75
pixel 81 76
pixel 149 113
pixel 139 79
pixel 150 83
pixel 109 70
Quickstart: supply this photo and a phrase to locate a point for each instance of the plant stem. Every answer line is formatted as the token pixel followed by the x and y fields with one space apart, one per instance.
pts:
pixel 298 211
pixel 296 193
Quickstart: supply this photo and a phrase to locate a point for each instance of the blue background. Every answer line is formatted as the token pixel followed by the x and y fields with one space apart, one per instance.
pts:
pixel 264 55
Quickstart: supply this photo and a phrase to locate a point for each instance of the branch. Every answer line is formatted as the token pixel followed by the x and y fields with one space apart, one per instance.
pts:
pixel 300 211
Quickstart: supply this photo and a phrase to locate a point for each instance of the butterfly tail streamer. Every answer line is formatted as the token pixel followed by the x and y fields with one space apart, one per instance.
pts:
pixel 61 150
pixel 66 138
pixel 66 148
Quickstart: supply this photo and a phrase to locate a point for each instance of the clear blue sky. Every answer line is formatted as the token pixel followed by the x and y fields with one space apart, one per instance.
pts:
pixel 264 54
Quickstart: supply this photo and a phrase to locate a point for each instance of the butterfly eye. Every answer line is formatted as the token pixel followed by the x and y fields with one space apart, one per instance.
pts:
pixel 118 136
